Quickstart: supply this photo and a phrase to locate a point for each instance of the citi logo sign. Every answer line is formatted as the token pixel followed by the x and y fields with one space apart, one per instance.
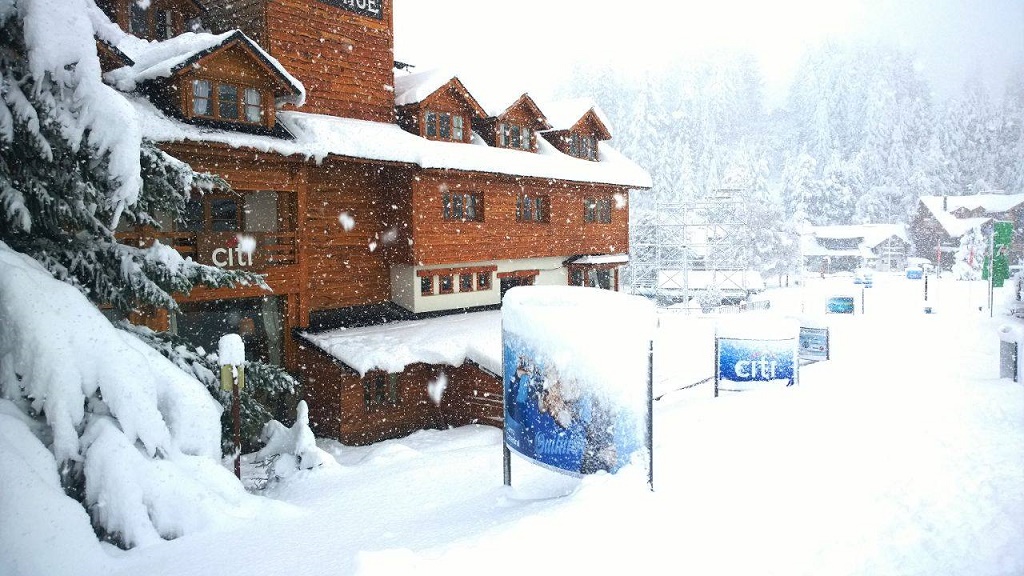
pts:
pixel 763 368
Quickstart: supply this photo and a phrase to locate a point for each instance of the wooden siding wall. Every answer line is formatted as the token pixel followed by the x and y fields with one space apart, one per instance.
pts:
pixel 343 268
pixel 337 410
pixel 473 396
pixel 500 236
pixel 248 16
pixel 344 60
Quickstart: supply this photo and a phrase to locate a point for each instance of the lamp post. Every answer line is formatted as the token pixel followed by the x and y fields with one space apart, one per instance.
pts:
pixel 231 356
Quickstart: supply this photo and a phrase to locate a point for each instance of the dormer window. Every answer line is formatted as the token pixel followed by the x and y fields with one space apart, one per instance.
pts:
pixel 443 126
pixel 138 21
pixel 514 136
pixel 584 147
pixel 224 101
pixel 164 25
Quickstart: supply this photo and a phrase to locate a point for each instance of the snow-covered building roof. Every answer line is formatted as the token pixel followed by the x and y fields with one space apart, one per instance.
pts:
pixel 318 136
pixel 564 114
pixel 942 208
pixel 450 340
pixel 855 240
pixel 870 234
pixel 154 60
pixel 413 88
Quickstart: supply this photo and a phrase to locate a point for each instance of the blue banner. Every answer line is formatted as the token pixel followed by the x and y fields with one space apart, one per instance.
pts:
pixel 756 360
pixel 560 422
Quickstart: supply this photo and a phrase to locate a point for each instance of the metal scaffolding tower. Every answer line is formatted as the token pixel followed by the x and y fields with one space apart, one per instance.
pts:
pixel 683 249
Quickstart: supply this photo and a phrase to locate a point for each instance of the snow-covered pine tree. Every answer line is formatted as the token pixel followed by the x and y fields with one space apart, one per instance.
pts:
pixel 68 178
pixel 74 165
pixel 970 255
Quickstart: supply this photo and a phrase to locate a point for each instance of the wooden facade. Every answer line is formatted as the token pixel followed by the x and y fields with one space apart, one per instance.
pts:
pixel 340 399
pixel 331 232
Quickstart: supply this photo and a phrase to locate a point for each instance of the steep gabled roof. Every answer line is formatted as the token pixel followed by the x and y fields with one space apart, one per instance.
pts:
pixel 416 87
pixel 168 58
pixel 569 114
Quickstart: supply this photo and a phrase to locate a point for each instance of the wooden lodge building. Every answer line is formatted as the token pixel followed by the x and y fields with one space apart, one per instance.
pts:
pixel 373 194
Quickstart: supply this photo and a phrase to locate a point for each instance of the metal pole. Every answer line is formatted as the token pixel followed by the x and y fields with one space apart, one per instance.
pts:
pixel 650 414
pixel 991 268
pixel 236 415
pixel 716 366
pixel 506 466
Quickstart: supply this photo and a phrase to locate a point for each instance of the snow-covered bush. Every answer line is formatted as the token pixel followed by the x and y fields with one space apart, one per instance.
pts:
pixel 970 255
pixel 288 450
pixel 266 385
pixel 132 437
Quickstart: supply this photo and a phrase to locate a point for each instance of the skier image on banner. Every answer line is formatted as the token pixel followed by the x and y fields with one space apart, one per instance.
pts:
pixel 521 413
pixel 578 434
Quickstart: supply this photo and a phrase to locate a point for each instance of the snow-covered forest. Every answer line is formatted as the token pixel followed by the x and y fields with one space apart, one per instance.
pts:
pixel 859 137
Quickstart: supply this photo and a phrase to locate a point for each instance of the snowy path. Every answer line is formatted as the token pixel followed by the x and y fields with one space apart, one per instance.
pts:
pixel 902 455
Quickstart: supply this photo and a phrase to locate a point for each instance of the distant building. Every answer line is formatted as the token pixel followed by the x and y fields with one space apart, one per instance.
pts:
pixel 882 247
pixel 941 221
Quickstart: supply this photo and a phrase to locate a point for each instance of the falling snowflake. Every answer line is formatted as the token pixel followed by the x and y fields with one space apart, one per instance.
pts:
pixel 347 221
pixel 620 201
pixel 435 388
pixel 373 245
pixel 246 244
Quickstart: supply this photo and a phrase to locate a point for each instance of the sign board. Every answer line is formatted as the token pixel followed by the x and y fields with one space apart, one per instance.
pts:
pixel 1002 236
pixel 223 250
pixel 370 8
pixel 813 343
pixel 741 361
pixel 840 305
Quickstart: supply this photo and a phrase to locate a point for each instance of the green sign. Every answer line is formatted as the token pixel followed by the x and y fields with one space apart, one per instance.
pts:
pixel 1002 236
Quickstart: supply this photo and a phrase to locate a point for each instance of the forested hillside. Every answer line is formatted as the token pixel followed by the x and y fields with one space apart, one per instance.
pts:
pixel 859 137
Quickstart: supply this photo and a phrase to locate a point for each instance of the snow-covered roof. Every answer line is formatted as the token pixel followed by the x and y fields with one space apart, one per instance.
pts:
pixel 318 136
pixel 162 59
pixel 956 227
pixel 564 114
pixel 589 259
pixel 872 234
pixel 391 347
pixel 991 203
pixel 413 88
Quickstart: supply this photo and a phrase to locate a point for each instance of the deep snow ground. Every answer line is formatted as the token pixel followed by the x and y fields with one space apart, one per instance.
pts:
pixel 904 454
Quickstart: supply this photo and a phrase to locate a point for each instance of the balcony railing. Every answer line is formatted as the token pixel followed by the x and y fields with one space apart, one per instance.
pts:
pixel 227 249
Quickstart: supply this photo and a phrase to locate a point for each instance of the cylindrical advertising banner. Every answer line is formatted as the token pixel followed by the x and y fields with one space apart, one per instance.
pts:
pixel 576 369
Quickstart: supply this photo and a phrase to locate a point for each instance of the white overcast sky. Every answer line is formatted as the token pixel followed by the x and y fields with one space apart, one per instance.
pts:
pixel 532 42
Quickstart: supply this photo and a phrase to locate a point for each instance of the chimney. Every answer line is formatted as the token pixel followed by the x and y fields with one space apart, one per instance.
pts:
pixel 945 204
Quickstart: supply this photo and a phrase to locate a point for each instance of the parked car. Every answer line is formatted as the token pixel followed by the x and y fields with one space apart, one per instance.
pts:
pixel 915 272
pixel 864 276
